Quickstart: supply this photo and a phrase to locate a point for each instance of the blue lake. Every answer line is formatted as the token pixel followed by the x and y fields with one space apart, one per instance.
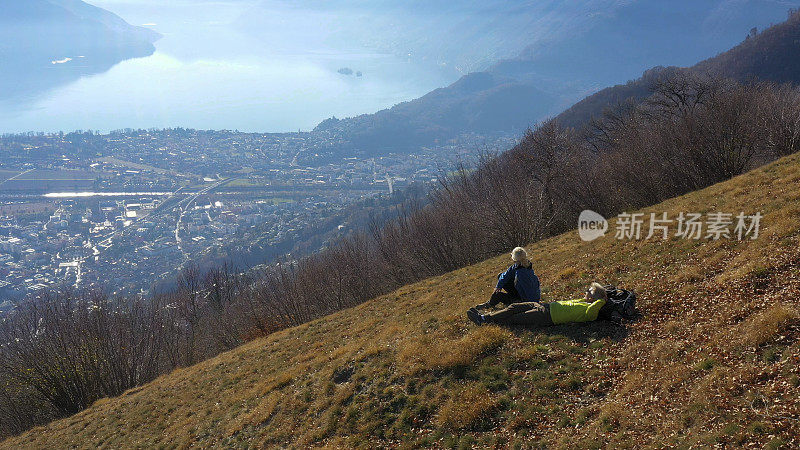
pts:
pixel 210 72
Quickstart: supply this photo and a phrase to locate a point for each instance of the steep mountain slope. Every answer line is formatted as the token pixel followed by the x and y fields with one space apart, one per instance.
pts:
pixel 469 35
pixel 56 29
pixel 573 49
pixel 46 42
pixel 713 360
pixel 772 55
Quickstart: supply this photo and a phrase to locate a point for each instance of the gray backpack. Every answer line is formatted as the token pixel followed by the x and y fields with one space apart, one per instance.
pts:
pixel 621 304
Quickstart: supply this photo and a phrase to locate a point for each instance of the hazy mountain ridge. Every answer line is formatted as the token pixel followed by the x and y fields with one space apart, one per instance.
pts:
pixel 108 19
pixel 49 42
pixel 771 55
pixel 596 44
pixel 467 36
pixel 68 28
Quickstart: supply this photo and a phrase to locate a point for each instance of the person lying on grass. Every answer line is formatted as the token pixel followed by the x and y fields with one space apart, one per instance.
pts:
pixel 518 281
pixel 545 314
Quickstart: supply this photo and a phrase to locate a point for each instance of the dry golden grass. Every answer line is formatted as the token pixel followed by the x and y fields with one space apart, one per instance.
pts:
pixel 714 361
pixel 426 353
pixel 467 407
pixel 766 325
pixel 566 274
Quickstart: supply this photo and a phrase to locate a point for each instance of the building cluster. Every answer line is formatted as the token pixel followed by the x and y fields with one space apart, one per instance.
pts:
pixel 162 198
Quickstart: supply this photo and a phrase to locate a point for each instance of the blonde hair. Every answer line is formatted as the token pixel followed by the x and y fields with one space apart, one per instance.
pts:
pixel 597 291
pixel 519 254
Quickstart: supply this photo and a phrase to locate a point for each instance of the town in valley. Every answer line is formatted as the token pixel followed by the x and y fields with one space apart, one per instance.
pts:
pixel 127 210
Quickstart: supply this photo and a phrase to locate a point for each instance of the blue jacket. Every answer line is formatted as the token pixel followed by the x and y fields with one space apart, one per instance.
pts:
pixel 521 279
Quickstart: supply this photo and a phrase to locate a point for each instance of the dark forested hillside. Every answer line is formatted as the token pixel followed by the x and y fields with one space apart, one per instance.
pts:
pixel 480 103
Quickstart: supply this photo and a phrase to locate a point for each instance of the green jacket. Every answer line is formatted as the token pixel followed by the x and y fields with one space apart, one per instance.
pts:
pixel 567 311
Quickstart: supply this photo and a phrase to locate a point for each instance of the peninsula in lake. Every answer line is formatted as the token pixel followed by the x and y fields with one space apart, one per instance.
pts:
pixel 47 43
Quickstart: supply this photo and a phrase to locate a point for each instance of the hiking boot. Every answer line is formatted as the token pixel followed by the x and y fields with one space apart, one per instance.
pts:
pixel 474 316
pixel 486 305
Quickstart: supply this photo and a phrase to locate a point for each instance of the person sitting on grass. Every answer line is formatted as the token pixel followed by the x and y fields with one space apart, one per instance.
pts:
pixel 518 281
pixel 545 314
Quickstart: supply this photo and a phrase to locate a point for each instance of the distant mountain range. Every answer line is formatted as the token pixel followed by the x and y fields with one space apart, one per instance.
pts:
pixel 772 55
pixel 467 35
pixel 44 43
pixel 571 50
pixel 523 60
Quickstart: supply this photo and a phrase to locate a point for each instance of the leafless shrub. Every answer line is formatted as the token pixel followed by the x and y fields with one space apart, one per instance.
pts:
pixel 66 350
pixel 781 119
pixel 693 132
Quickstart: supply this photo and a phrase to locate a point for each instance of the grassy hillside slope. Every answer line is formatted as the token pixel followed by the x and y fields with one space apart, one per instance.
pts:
pixel 713 360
